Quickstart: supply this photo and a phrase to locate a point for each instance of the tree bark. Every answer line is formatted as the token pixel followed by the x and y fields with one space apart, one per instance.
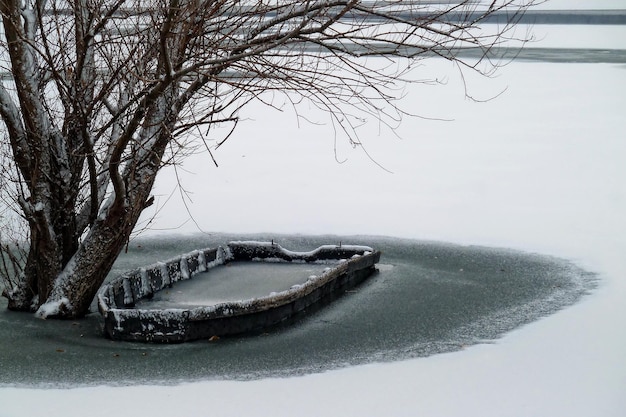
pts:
pixel 76 285
pixel 73 289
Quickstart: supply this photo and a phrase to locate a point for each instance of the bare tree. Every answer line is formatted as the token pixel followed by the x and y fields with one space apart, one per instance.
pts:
pixel 97 95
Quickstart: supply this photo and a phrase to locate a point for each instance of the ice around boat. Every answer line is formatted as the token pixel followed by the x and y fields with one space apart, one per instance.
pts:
pixel 129 312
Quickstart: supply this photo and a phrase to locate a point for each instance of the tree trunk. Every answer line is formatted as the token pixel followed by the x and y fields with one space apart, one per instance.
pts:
pixel 74 288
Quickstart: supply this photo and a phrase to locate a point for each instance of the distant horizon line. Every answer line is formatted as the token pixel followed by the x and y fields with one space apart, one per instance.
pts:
pixel 530 16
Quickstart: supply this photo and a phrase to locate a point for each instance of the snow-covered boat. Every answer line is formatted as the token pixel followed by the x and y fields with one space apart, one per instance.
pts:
pixel 122 301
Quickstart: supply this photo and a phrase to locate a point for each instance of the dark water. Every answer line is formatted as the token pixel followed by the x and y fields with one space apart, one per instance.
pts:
pixel 588 19
pixel 552 55
pixel 427 298
pixel 534 17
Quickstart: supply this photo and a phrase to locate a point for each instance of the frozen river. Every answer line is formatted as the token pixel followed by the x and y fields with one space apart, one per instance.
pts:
pixel 427 298
pixel 237 281
pixel 540 169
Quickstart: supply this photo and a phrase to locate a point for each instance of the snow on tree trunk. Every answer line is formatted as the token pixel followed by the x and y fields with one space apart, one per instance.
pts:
pixel 75 287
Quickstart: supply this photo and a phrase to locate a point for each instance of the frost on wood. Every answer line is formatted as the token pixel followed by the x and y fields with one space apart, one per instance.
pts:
pixel 184 268
pixel 146 285
pixel 350 265
pixel 272 252
pixel 142 282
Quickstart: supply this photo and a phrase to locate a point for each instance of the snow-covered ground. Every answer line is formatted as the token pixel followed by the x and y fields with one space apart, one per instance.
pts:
pixel 541 168
pixel 582 5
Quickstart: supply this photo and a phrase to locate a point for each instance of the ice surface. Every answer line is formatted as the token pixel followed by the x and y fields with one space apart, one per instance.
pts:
pixel 582 5
pixel 541 168
pixel 235 282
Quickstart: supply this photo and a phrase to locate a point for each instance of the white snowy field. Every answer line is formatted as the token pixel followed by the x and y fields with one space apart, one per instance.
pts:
pixel 582 5
pixel 540 168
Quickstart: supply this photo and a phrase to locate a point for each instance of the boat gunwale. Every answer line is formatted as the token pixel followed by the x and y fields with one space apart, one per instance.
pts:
pixel 347 259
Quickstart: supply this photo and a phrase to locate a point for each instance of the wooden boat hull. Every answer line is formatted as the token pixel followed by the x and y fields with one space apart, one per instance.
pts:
pixel 122 321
